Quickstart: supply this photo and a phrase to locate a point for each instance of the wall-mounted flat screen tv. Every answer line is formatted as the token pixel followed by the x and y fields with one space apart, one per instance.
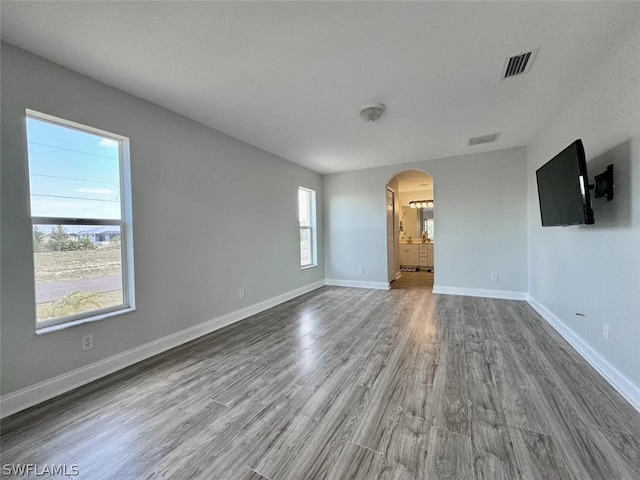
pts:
pixel 563 189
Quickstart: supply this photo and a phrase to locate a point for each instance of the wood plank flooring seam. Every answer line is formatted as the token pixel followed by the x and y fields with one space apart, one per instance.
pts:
pixel 517 460
pixel 550 462
pixel 586 415
pixel 468 437
pixel 526 429
pixel 258 473
pixel 362 446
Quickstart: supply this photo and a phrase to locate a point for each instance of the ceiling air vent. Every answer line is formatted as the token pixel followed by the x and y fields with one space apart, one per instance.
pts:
pixel 517 64
pixel 484 139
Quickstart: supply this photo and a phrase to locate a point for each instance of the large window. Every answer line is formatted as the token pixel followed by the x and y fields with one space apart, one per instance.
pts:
pixel 307 220
pixel 81 220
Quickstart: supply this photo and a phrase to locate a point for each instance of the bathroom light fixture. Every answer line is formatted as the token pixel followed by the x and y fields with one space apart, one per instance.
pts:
pixel 421 203
pixel 371 112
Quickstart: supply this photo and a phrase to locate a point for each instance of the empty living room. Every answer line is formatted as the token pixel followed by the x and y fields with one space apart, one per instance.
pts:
pixel 320 240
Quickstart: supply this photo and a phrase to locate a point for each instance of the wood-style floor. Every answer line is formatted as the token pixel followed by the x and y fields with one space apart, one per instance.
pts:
pixel 347 383
pixel 411 280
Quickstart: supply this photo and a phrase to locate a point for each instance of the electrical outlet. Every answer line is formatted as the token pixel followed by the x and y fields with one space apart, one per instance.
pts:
pixel 606 333
pixel 361 270
pixel 494 277
pixel 87 342
pixel 241 293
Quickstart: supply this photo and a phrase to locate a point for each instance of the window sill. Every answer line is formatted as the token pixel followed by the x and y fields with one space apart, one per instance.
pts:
pixel 309 266
pixel 81 321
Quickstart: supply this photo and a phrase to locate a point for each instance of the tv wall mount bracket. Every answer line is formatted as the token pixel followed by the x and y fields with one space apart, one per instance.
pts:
pixel 604 184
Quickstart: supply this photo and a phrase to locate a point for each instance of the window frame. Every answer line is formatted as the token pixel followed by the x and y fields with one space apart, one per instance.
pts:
pixel 125 222
pixel 311 228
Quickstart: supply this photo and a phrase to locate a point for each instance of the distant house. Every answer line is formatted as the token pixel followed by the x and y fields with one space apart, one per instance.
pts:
pixel 100 234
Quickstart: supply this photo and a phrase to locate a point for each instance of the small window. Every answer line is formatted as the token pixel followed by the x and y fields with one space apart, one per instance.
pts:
pixel 81 220
pixel 307 220
pixel 426 223
pixel 430 229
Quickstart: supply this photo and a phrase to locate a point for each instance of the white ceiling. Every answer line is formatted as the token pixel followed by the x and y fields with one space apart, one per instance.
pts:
pixel 289 77
pixel 414 181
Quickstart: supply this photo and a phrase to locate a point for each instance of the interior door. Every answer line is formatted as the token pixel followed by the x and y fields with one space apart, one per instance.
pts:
pixel 391 247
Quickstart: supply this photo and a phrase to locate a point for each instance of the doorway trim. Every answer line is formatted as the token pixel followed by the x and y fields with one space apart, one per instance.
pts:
pixel 391 234
pixel 396 220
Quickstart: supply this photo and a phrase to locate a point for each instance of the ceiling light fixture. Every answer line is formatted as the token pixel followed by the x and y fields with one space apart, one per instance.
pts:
pixel 371 112
pixel 421 203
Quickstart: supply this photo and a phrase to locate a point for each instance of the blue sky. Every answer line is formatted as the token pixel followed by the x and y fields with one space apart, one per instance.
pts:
pixel 72 174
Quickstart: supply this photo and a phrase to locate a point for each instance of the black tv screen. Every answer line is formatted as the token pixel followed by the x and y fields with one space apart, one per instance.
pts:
pixel 563 189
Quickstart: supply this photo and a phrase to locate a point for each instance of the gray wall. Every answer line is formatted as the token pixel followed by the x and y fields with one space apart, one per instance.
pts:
pixel 596 269
pixel 480 217
pixel 211 214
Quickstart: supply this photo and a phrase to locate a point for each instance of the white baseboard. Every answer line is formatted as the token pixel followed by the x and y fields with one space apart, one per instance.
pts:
pixel 357 284
pixel 480 292
pixel 618 380
pixel 29 396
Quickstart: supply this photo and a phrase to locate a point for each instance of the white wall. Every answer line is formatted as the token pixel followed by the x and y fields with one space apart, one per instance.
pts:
pixel 596 269
pixel 406 197
pixel 211 214
pixel 480 217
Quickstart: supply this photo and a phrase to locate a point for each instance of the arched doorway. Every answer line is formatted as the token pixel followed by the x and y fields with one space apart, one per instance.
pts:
pixel 411 230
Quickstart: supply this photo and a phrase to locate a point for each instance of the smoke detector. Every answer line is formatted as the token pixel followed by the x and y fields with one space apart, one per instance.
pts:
pixel 371 112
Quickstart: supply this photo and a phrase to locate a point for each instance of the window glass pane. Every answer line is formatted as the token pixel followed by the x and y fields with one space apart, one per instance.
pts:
pixel 73 174
pixel 77 269
pixel 430 230
pixel 304 207
pixel 306 217
pixel 305 247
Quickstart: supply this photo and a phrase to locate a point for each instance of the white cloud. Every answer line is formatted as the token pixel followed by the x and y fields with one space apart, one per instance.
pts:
pixel 107 142
pixel 95 191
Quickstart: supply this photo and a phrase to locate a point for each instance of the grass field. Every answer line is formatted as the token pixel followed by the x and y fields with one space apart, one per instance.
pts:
pixel 48 310
pixel 53 267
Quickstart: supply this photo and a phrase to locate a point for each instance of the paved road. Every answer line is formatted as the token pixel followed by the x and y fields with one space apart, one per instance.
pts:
pixel 48 292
